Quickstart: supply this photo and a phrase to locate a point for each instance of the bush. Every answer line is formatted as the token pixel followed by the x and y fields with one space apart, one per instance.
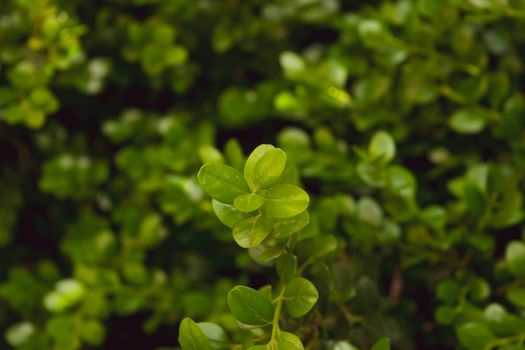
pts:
pixel 365 163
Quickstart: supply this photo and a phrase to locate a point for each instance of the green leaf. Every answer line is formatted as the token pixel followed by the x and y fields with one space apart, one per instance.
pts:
pixel 501 322
pixel 382 344
pixel 269 168
pixel 300 296
pixel 468 120
pixel 517 296
pixel 373 33
pixel 372 88
pixel 342 345
pixel 324 244
pixel 227 213
pixel 292 64
pixel 434 216
pixel 474 335
pixel 67 292
pixel 286 227
pixel 286 267
pixel 251 162
pixel 248 202
pixel 289 341
pixel 382 146
pixel 515 258
pixel 266 291
pixel 237 106
pixel 448 291
pixel 19 333
pixel 234 154
pixel 222 182
pixel 445 314
pixel 479 289
pixel 252 231
pixel 62 329
pixel 191 337
pixel 250 307
pixel 93 332
pixel 210 154
pixel 401 182
pixel 294 140
pixel 284 200
pixel 259 347
pixel 215 334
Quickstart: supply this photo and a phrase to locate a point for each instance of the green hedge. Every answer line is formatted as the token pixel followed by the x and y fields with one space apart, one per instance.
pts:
pixel 389 210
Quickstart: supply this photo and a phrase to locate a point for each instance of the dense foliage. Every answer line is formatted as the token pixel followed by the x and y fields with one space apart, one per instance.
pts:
pixel 284 174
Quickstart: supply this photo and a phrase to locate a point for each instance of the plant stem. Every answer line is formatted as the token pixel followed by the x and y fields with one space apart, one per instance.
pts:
pixel 276 316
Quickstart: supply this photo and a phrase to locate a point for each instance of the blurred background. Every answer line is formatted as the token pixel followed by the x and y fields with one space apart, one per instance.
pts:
pixel 109 108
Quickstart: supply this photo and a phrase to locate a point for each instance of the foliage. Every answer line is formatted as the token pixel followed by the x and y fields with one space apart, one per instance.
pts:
pixel 389 211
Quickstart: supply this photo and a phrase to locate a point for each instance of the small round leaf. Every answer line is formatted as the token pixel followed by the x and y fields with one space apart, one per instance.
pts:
pixel 251 162
pixel 269 168
pixel 289 341
pixel 248 202
pixel 227 213
pixel 300 296
pixel 382 145
pixel 252 231
pixel 215 334
pixel 515 258
pixel 250 307
pixel 474 335
pixel 222 182
pixel 382 344
pixel 284 201
pixel 468 121
pixel 191 337
pixel 285 227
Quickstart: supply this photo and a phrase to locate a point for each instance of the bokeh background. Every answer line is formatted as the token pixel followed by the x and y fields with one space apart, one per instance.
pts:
pixel 109 108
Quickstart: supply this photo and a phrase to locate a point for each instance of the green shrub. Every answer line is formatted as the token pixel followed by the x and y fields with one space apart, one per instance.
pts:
pixel 388 213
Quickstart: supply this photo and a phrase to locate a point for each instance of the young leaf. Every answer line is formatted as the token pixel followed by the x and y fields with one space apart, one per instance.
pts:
pixel 300 296
pixel 210 154
pixel 474 335
pixel 269 168
pixel 448 291
pixel 324 244
pixel 222 182
pixel 19 333
pixel 234 154
pixel 382 145
pixel 93 332
pixel 292 63
pixel 215 334
pixel 266 291
pixel 248 202
pixel 191 337
pixel 468 120
pixel 284 201
pixel 250 307
pixel 227 213
pixel 285 227
pixel 382 344
pixel 515 258
pixel 252 231
pixel 445 314
pixel 251 162
pixel 286 267
pixel 501 322
pixel 516 296
pixel 289 341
